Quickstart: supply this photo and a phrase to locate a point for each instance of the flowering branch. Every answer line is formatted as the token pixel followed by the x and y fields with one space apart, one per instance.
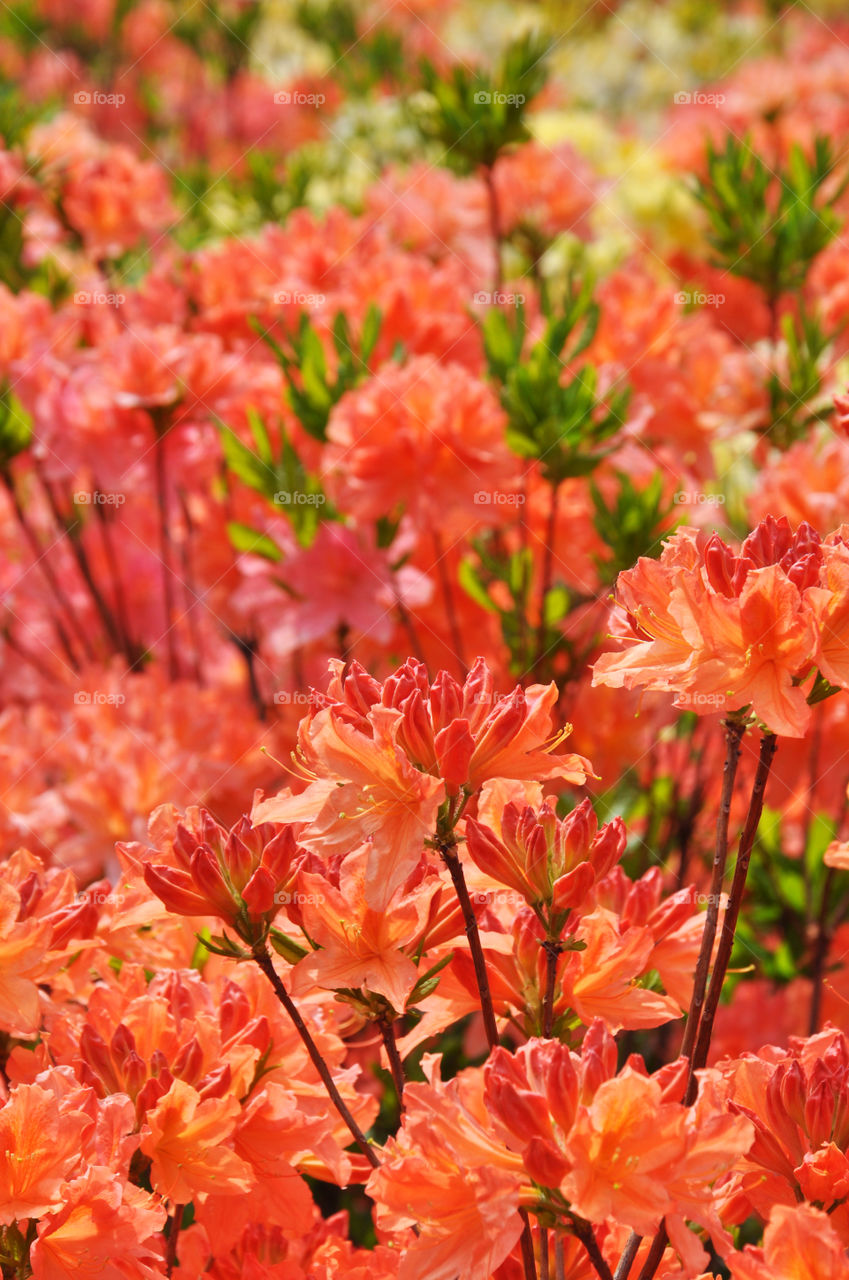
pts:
pixel 734 728
pixel 263 959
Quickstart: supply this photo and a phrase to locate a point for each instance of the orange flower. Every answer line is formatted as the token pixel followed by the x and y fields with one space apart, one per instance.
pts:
pixel 797 1104
pixel 425 438
pixel 600 981
pixel 725 630
pixel 23 947
pixel 40 1147
pixel 361 948
pixel 800 1243
pixel 238 876
pixel 550 863
pixel 106 1229
pixel 189 1141
pixel 447 1171
pixel 617 1146
pixel 384 758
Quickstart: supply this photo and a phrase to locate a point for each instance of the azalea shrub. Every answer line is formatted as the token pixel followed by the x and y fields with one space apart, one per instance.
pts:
pixel 424 508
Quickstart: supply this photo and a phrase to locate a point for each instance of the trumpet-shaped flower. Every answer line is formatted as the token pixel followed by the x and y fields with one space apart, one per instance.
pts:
pixel 383 758
pixel 727 630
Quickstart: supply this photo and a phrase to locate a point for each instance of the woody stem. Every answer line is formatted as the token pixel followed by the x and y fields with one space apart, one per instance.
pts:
pixel 733 739
pixel 552 952
pixel 455 869
pixel 723 957
pixel 769 743
pixel 628 1256
pixel 546 575
pixel 584 1233
pixel 263 959
pixel 174 1223
pixel 452 861
pixel 396 1066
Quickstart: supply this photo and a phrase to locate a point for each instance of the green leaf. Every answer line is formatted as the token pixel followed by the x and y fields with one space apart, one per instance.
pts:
pixel 469 580
pixel 250 541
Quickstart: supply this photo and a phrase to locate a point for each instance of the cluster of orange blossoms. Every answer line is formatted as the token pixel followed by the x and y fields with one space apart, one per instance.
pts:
pixel 727 630
pixel 439 966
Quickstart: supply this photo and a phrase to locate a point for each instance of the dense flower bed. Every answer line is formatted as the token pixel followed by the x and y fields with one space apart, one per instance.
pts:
pixel 424 445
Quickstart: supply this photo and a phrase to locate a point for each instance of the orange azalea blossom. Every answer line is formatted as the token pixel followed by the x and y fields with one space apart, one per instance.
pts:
pixel 425 438
pixel 384 758
pixel 365 949
pixel 725 630
pixel 601 980
pixel 40 914
pixel 272 1135
pixel 106 1229
pixel 619 1147
pixel 189 1141
pixel 800 1243
pixel 239 875
pixel 138 1038
pixel 448 1171
pixel 675 925
pixel 40 1148
pixel 552 864
pixel 798 1103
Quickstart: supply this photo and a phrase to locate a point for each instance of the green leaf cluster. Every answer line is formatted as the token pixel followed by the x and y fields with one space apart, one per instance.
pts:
pixel 768 225
pixel 555 414
pixel 474 115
